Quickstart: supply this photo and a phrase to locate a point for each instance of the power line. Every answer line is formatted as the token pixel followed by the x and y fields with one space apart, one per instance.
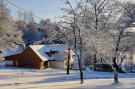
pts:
pixel 23 9
pixel 26 11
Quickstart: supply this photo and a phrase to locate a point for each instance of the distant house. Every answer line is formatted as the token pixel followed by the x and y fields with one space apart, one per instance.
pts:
pixel 41 56
pixel 126 60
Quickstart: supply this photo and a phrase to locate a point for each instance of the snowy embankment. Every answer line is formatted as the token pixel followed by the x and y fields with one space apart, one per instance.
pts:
pixel 12 78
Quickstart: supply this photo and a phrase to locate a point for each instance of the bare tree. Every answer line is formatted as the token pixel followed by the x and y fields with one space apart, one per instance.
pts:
pixel 10 35
pixel 102 22
pixel 72 26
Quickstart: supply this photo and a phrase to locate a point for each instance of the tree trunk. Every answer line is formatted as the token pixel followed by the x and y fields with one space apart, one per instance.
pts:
pixel 75 46
pixel 95 58
pixel 80 62
pixel 115 71
pixel 68 60
pixel 116 77
pixel 116 67
pixel 115 64
pixel 80 68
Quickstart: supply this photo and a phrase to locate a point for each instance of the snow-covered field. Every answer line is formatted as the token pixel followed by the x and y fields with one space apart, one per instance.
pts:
pixel 12 78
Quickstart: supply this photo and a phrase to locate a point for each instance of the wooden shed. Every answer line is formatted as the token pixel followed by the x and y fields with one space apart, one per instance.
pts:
pixel 40 57
pixel 28 58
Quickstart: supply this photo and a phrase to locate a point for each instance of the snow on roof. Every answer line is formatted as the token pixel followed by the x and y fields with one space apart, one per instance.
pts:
pixel 41 50
pixel 9 52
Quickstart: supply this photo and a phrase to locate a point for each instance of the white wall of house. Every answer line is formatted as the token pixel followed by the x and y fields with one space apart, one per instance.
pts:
pixel 57 64
pixel 61 60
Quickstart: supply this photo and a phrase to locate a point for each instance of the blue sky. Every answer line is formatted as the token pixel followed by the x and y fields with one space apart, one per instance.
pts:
pixel 42 8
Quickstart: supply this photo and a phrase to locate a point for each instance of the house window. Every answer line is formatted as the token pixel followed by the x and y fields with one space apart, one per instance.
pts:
pixel 9 63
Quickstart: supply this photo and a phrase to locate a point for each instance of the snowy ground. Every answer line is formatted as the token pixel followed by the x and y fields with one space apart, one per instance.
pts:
pixel 12 78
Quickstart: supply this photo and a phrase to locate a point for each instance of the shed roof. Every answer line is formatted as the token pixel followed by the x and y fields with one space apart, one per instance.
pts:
pixel 10 52
pixel 41 50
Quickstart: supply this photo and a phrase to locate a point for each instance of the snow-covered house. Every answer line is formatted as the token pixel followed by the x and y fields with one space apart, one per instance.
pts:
pixel 41 56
